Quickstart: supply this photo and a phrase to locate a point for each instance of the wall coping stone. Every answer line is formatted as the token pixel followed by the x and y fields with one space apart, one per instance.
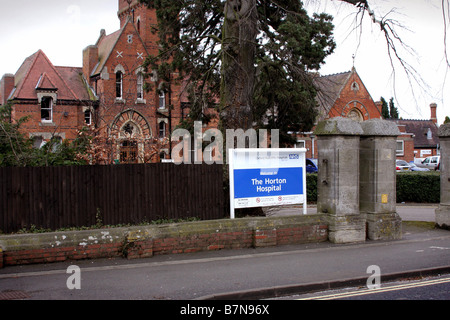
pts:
pixel 338 126
pixel 379 127
pixel 444 130
pixel 82 238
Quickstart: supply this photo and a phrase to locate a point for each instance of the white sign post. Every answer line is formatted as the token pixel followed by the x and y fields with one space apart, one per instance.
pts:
pixel 267 177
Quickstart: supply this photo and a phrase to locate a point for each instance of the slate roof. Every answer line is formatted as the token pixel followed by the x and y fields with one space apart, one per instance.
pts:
pixel 105 44
pixel 330 88
pixel 420 128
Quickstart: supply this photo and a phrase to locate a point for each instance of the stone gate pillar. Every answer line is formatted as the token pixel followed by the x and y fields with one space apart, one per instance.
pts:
pixel 377 197
pixel 338 141
pixel 443 212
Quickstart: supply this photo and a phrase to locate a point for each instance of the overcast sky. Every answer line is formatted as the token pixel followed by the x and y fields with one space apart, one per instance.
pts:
pixel 63 28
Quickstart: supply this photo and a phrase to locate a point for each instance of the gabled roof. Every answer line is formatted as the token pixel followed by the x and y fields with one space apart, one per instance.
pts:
pixel 38 73
pixel 330 88
pixel 420 128
pixel 107 43
pixel 44 83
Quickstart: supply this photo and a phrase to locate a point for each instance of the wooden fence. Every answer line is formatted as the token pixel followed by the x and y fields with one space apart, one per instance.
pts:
pixel 61 197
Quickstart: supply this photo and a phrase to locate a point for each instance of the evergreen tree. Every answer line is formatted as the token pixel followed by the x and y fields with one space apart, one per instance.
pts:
pixel 447 119
pixel 17 151
pixel 384 109
pixel 254 57
pixel 393 111
pixel 14 148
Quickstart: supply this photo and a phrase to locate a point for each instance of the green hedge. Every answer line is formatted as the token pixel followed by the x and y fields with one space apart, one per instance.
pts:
pixel 311 187
pixel 419 187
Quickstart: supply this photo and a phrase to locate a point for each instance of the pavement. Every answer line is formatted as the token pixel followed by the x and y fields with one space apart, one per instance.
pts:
pixel 245 274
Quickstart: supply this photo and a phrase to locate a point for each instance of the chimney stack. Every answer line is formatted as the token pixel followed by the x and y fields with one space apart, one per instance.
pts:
pixel 433 107
pixel 90 60
pixel 6 87
pixel 379 106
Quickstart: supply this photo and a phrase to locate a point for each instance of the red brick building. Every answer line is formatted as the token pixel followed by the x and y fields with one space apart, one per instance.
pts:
pixel 421 138
pixel 345 95
pixel 56 99
pixel 107 92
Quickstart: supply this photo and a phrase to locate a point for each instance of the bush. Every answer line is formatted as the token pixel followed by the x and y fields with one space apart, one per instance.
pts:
pixel 420 187
pixel 311 187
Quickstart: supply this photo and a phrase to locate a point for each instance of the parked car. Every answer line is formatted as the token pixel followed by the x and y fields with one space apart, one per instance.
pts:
pixel 402 165
pixel 430 162
pixel 414 167
pixel 311 166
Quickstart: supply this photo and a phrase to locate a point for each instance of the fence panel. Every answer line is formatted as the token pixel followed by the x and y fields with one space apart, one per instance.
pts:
pixel 62 197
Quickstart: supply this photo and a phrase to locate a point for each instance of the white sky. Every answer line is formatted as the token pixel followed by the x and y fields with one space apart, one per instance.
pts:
pixel 63 28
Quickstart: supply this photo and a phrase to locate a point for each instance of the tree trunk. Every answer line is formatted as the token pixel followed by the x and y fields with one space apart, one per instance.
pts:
pixel 238 70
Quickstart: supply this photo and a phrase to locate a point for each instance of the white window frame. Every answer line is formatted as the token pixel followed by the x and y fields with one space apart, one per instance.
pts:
pixel 88 117
pixel 49 109
pixel 400 151
pixel 300 144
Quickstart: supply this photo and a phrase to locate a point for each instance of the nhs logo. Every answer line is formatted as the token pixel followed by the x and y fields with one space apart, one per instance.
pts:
pixel 294 156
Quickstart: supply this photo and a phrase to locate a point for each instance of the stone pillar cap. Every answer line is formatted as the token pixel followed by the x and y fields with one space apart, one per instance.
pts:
pixel 444 130
pixel 380 127
pixel 338 126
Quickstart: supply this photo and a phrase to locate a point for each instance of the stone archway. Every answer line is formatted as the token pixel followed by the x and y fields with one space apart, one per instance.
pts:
pixel 355 114
pixel 355 110
pixel 130 129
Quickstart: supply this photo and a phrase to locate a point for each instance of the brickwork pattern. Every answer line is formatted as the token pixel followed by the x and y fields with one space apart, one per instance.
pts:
pixel 136 245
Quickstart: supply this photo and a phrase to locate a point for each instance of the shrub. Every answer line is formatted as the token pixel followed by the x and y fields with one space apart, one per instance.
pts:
pixel 420 187
pixel 311 187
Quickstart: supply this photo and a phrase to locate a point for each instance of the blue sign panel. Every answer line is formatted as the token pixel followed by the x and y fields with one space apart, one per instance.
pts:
pixel 257 183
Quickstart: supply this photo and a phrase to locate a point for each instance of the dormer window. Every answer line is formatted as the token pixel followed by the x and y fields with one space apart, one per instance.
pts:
pixel 46 109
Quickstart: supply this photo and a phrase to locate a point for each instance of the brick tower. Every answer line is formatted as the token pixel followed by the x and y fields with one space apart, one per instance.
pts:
pixel 143 18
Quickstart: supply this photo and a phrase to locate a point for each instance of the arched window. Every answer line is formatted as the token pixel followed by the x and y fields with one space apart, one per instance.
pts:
pixel 162 129
pixel 119 84
pixel 162 100
pixel 140 85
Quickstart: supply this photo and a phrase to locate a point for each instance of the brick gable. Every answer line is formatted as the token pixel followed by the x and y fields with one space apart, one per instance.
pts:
pixel 344 95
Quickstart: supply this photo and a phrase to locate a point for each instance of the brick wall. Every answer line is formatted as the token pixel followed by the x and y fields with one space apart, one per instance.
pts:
pixel 144 242
pixel 359 99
